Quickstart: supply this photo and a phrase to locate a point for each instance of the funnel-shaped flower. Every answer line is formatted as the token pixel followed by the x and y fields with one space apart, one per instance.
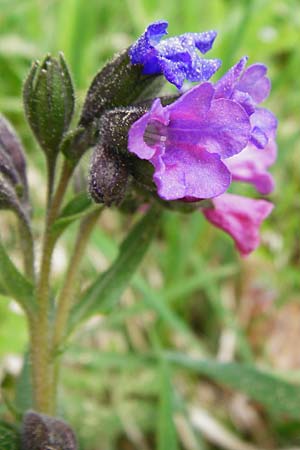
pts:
pixel 178 57
pixel 240 217
pixel 187 141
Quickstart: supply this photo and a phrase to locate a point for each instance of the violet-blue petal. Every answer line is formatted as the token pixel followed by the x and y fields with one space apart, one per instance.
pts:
pixel 174 71
pixel 255 83
pixel 202 41
pixel 177 58
pixel 241 218
pixel 251 166
pixel 197 174
pixel 142 49
pixel 202 69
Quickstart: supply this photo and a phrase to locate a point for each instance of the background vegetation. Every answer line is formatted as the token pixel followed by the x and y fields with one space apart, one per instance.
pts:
pixel 127 374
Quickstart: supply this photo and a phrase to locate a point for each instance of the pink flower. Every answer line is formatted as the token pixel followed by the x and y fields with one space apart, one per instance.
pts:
pixel 251 166
pixel 240 217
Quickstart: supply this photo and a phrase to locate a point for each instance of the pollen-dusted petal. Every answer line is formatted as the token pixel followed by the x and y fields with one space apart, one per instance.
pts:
pixel 196 174
pixel 177 58
pixel 174 71
pixel 204 41
pixel 240 217
pixel 251 166
pixel 142 49
pixel 202 69
pixel 255 83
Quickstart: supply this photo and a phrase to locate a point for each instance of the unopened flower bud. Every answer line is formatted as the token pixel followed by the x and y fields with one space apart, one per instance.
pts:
pixel 113 130
pixel 108 179
pixel 119 83
pixel 12 159
pixel 49 102
pixel 10 201
pixel 8 170
pixel 41 432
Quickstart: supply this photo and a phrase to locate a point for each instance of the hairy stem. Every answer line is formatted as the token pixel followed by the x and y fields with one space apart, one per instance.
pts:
pixel 27 247
pixel 51 166
pixel 42 363
pixel 64 301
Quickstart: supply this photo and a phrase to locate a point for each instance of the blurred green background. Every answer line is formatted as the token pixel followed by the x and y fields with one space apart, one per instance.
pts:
pixel 193 294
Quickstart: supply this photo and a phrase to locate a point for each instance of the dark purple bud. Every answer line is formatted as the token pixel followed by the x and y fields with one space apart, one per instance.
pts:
pixel 49 102
pixel 41 432
pixel 113 130
pixel 9 199
pixel 108 178
pixel 8 170
pixel 119 83
pixel 12 159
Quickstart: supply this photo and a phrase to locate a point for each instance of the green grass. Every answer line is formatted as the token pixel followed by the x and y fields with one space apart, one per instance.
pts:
pixel 192 292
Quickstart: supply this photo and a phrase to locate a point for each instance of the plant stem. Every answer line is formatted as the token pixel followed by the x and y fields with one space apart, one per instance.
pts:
pixel 51 166
pixel 64 301
pixel 27 246
pixel 42 363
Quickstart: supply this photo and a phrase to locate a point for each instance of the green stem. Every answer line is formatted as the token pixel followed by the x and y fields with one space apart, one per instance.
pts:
pixel 27 246
pixel 65 298
pixel 42 363
pixel 51 166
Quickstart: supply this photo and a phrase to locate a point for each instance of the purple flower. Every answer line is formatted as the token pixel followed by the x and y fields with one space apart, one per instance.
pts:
pixel 187 141
pixel 210 136
pixel 176 58
pixel 249 88
pixel 240 217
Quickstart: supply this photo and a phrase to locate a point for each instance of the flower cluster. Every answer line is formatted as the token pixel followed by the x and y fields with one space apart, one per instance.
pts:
pixel 212 135
pixel 176 58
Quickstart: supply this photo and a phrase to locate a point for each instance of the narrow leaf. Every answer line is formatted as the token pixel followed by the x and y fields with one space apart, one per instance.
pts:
pixel 278 396
pixel 102 295
pixel 77 207
pixel 14 283
pixel 166 432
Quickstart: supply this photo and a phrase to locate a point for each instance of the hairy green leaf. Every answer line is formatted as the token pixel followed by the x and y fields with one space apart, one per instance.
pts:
pixel 102 295
pixel 278 396
pixel 14 283
pixel 77 208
